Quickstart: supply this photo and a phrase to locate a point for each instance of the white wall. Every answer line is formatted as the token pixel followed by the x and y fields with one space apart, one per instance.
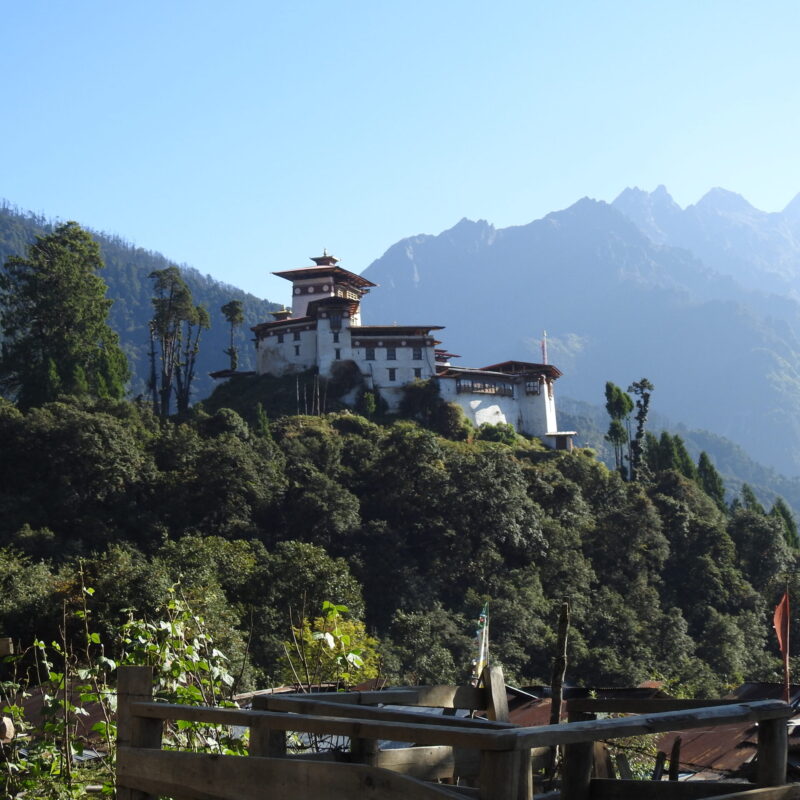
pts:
pixel 280 359
pixel 376 372
pixel 326 346
pixel 533 415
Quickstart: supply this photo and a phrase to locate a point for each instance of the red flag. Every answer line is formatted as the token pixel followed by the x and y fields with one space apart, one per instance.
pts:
pixel 780 621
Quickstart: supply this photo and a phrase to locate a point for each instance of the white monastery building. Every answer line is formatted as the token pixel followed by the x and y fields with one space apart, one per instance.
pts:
pixel 324 327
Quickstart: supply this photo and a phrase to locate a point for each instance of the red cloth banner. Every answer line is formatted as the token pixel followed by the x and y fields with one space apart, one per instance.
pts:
pixel 780 621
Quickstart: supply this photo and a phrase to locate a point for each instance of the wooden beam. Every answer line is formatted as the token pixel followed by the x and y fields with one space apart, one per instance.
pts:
pixel 320 707
pixel 496 697
pixel 650 705
pixel 790 792
pixel 773 744
pixel 431 763
pixel 601 789
pixel 204 776
pixel 337 726
pixel 649 723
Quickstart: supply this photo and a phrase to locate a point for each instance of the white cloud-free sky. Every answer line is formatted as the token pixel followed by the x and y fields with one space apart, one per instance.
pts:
pixel 243 137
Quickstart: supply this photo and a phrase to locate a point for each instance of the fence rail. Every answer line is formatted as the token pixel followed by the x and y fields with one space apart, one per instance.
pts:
pixel 497 753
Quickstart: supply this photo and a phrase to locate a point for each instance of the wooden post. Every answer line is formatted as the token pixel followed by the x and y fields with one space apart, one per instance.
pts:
pixel 576 772
pixel 499 778
pixel 497 709
pixel 135 684
pixel 266 742
pixel 675 760
pixel 658 770
pixel 496 697
pixel 364 751
pixel 263 741
pixel 773 742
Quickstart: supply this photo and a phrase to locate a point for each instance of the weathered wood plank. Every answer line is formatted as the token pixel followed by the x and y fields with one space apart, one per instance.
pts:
pixel 431 763
pixel 773 743
pixel 789 792
pixel 499 776
pixel 601 789
pixel 578 760
pixel 648 723
pixel 202 776
pixel 468 697
pixel 301 705
pixel 135 684
pixel 443 696
pixel 515 738
pixel 651 705
pixel 675 760
pixel 496 698
pixel 337 726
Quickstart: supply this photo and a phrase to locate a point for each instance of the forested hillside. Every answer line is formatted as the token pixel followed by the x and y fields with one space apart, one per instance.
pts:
pixel 127 270
pixel 260 515
pixel 412 531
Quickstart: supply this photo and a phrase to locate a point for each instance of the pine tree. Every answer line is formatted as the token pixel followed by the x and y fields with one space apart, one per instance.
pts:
pixel 54 322
pixel 683 461
pixel 619 406
pixel 711 481
pixel 750 501
pixel 643 390
pixel 234 314
pixel 781 511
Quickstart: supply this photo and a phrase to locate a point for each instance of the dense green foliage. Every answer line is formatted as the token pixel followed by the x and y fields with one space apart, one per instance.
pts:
pixel 54 310
pixel 412 532
pixel 127 274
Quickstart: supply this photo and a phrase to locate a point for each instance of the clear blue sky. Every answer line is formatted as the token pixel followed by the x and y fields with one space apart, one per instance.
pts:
pixel 243 137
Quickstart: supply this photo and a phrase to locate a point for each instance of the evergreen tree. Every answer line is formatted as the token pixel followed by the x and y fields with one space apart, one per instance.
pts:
pixel 56 338
pixel 684 463
pixel 643 390
pixel 781 511
pixel 710 481
pixel 176 327
pixel 234 313
pixel 619 406
pixel 749 500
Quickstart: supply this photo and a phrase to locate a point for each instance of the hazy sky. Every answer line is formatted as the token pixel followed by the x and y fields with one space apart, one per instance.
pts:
pixel 243 137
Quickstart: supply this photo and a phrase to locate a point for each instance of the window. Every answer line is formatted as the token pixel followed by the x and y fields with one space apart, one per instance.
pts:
pixel 338 354
pixel 392 374
pixel 296 336
pixel 417 354
pixel 280 338
pixel 370 354
pixel 297 349
pixel 417 372
pixel 391 354
pixel 336 337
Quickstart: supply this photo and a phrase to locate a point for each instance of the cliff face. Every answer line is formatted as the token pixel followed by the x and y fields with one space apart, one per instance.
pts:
pixel 619 301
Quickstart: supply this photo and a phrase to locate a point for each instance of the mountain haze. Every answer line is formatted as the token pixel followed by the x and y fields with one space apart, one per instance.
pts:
pixel 760 250
pixel 618 304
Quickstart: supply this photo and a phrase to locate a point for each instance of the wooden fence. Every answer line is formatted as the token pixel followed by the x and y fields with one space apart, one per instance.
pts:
pixel 495 754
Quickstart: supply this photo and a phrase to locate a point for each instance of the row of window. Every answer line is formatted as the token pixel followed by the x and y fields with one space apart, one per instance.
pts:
pixel 393 373
pixel 391 353
pixel 474 386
